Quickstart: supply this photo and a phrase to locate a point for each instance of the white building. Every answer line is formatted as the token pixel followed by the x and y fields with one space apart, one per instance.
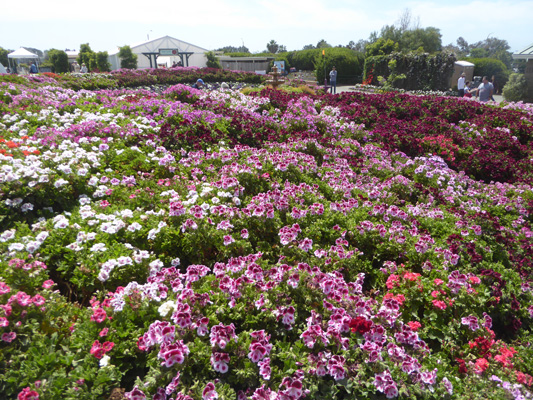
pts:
pixel 163 52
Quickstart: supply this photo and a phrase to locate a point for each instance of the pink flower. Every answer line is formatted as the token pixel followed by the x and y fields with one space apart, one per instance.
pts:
pixel 173 353
pixel 228 239
pixel 28 394
pixel 135 394
pixel 209 392
pixel 221 335
pixel 103 332
pixel 9 337
pixel 471 321
pixel 257 352
pixel 220 361
pixel 306 244
pixel 23 299
pixel 264 368
pixel 415 325
pixel 99 315
pixel 480 366
pixel 48 284
pixel 244 233
pixel 97 350
pixel 38 300
pixel 3 322
pixel 439 304
pixel 4 288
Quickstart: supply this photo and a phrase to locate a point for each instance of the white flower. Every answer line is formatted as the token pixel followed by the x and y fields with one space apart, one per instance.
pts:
pixel 167 307
pixel 60 182
pixel 104 361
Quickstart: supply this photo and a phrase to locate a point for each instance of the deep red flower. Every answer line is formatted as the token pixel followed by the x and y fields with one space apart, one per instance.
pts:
pixel 360 324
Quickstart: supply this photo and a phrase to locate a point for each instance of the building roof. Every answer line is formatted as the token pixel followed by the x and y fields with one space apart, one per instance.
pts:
pixel 165 42
pixel 525 54
pixel 464 63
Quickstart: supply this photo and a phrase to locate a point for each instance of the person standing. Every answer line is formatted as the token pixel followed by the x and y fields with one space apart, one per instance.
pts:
pixel 33 68
pixel 333 80
pixel 485 90
pixel 83 69
pixel 461 85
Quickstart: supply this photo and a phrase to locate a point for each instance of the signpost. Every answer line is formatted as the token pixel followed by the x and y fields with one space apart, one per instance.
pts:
pixel 168 52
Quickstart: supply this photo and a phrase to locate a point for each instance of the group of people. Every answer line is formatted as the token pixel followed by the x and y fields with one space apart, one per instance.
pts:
pixel 485 91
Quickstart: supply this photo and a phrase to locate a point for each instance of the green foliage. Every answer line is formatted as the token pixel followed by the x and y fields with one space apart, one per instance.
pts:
pixel 429 39
pixel 381 47
pixel 422 71
pixel 349 65
pixel 489 67
pixel 86 56
pixel 128 59
pixel 272 47
pixel 59 61
pixel 3 56
pixel 212 60
pixel 516 88
pixel 102 62
pixel 304 60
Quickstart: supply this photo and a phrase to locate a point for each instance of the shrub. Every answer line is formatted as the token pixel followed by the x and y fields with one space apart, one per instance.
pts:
pixel 101 61
pixel 212 61
pixel 59 61
pixel 349 65
pixel 489 67
pixel 422 71
pixel 516 88
pixel 127 58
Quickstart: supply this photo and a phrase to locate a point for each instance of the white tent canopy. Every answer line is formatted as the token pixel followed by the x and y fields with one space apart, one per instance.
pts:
pixel 22 53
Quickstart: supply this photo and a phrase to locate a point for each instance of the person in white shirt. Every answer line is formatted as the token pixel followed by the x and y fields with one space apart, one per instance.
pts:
pixel 461 85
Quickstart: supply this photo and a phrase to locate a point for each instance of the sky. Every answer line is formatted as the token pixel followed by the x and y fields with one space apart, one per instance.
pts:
pixel 212 24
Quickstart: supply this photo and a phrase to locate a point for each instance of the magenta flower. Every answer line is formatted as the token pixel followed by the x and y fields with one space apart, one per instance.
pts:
pixel 8 337
pixel 173 353
pixel 222 334
pixel 220 361
pixel 209 392
pixel 228 239
pixel 135 394
pixel 28 394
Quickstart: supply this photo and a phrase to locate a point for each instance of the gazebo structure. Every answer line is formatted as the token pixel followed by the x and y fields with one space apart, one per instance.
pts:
pixel 23 54
pixel 527 54
pixel 164 50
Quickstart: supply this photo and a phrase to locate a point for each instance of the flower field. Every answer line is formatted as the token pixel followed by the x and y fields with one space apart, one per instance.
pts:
pixel 186 244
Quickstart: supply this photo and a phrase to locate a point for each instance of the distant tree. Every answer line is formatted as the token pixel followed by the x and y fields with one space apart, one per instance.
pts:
pixel 212 60
pixel 272 47
pixel 463 46
pixel 308 47
pixel 232 49
pixel 59 61
pixel 85 55
pixel 102 62
pixel 35 51
pixel 322 44
pixel 282 49
pixel 428 38
pixel 3 56
pixel 128 59
pixel 479 52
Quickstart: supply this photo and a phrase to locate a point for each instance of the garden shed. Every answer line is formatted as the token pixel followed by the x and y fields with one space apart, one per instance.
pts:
pixel 527 54
pixel 165 50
